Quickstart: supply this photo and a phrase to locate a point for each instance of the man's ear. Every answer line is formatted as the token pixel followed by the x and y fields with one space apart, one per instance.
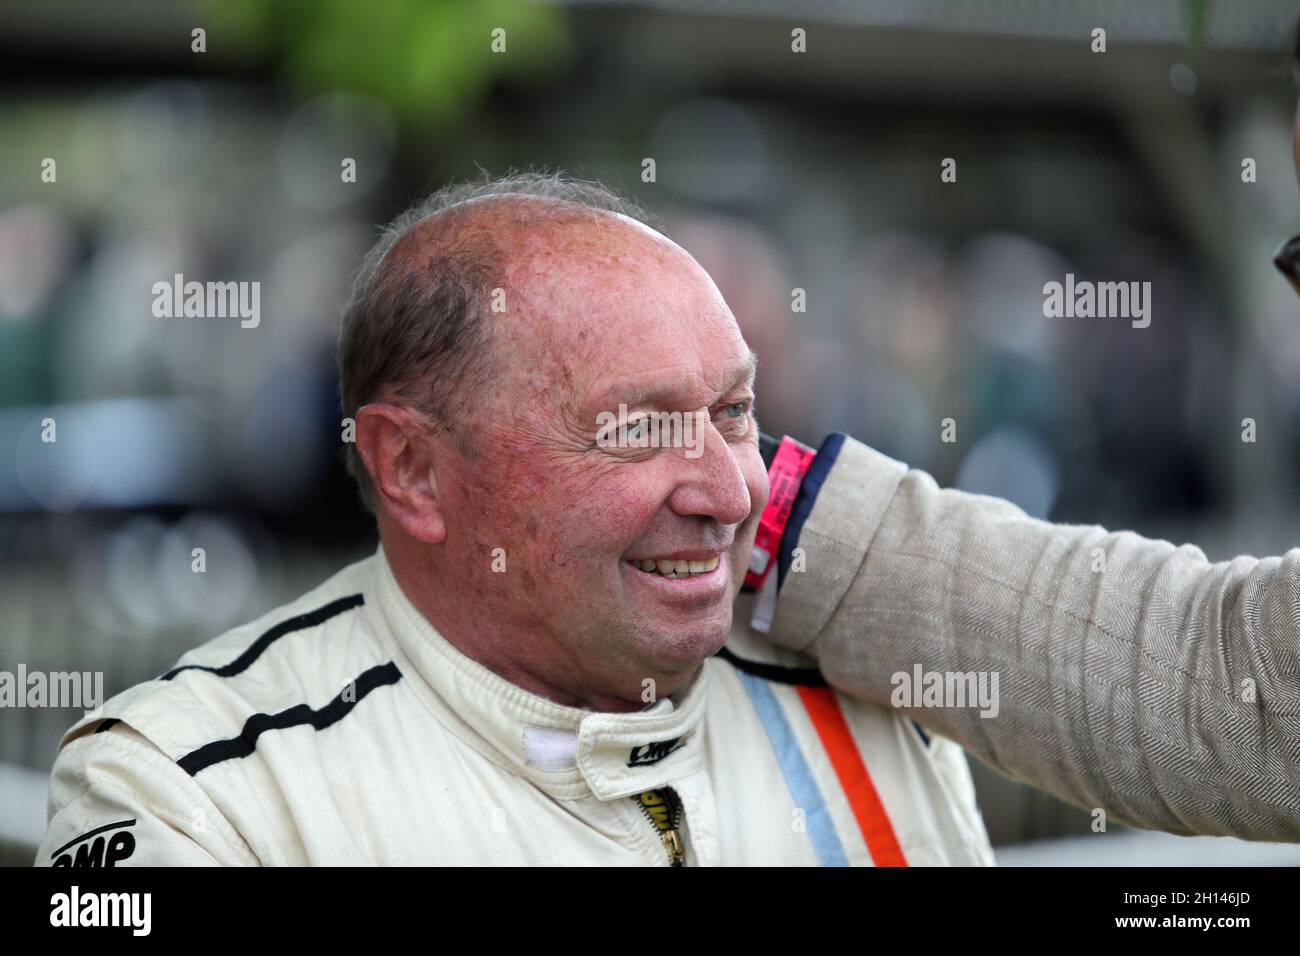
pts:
pixel 402 459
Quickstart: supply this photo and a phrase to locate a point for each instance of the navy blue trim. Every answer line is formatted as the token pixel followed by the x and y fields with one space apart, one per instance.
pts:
pixel 803 503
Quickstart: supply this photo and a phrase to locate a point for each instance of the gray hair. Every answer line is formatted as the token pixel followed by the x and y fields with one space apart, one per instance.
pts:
pixel 418 332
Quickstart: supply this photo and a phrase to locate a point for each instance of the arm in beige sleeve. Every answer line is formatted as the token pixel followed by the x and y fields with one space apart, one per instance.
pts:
pixel 1133 675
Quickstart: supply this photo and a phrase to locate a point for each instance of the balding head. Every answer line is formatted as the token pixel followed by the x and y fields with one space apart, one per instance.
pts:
pixel 494 339
pixel 417 328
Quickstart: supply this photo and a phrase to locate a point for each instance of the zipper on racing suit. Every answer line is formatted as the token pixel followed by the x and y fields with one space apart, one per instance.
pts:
pixel 664 811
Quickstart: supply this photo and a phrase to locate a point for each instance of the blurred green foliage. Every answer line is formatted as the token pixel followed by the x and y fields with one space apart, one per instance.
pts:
pixel 430 60
pixel 1198 18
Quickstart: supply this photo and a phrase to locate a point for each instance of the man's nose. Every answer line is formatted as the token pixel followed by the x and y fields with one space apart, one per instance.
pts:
pixel 712 483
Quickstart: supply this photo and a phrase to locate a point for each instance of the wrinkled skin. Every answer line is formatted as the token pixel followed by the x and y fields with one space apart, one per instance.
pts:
pixel 600 310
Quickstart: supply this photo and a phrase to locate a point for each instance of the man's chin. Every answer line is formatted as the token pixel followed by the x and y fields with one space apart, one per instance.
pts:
pixel 676 650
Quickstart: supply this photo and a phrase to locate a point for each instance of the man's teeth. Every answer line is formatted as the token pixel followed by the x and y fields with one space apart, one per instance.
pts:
pixel 677 569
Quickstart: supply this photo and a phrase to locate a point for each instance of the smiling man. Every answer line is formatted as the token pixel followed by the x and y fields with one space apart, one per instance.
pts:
pixel 585 312
pixel 528 671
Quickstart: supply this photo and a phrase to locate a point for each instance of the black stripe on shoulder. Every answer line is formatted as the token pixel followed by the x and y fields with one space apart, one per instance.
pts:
pixel 107 724
pixel 299 715
pixel 254 651
pixel 800 676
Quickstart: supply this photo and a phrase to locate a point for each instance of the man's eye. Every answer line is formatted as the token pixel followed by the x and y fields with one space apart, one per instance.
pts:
pixel 638 430
pixel 736 409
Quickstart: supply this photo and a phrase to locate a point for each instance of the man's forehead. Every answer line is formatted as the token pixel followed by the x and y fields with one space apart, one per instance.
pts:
pixel 703 379
pixel 520 227
pixel 608 250
pixel 639 324
pixel 543 249
pixel 601 294
pixel 598 299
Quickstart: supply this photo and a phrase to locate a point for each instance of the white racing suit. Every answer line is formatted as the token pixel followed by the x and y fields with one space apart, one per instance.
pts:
pixel 343 729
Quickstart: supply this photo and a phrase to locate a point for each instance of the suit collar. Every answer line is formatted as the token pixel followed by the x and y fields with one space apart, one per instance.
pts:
pixel 568 751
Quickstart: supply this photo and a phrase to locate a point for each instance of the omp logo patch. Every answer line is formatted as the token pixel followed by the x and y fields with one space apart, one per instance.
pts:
pixel 111 844
pixel 653 752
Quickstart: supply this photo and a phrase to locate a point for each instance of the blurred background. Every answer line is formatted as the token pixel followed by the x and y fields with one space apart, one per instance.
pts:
pixel 818 171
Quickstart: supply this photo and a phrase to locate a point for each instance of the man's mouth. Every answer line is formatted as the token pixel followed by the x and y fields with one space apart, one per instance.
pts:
pixel 671 568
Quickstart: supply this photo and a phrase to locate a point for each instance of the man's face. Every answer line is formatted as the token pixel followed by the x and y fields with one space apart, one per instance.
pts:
pixel 599 316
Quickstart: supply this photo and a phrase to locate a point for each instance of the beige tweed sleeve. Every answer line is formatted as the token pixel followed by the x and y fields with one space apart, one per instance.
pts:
pixel 1133 675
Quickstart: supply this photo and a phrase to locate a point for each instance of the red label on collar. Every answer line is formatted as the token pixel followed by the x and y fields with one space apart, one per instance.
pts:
pixel 789 465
